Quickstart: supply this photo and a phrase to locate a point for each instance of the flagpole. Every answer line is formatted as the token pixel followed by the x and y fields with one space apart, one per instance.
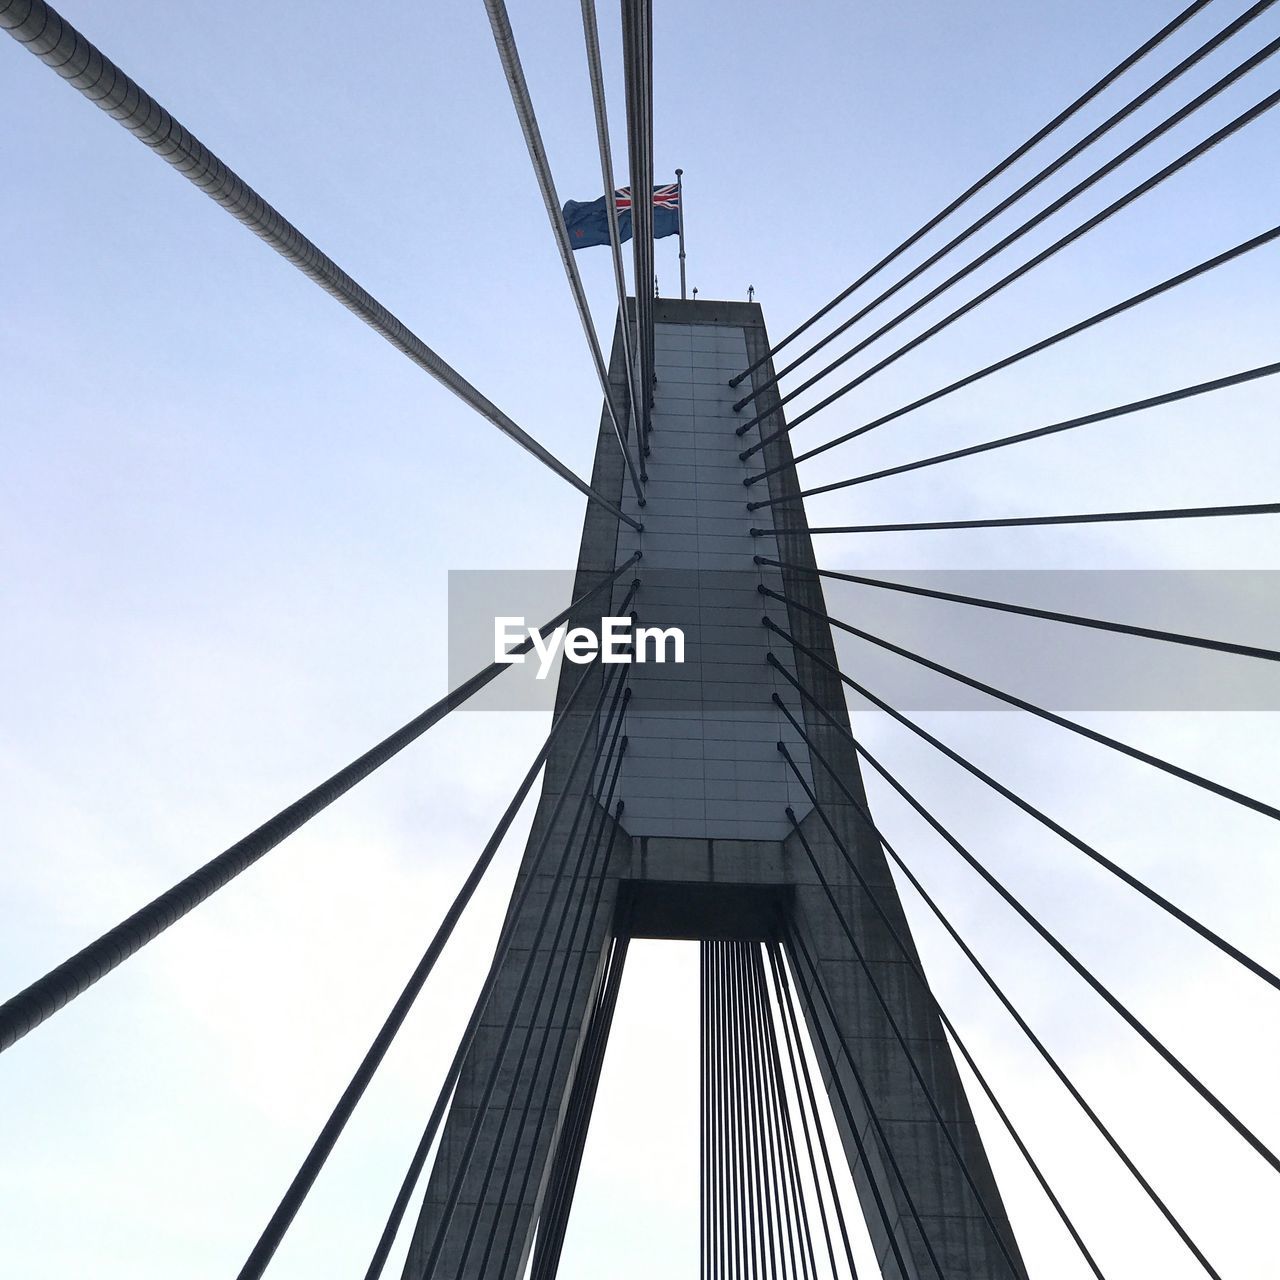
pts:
pixel 680 212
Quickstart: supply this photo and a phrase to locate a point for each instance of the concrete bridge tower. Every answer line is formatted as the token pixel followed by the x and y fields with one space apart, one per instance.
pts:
pixel 704 849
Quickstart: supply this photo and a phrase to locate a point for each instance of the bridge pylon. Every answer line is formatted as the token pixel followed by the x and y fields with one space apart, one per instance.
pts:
pixel 715 803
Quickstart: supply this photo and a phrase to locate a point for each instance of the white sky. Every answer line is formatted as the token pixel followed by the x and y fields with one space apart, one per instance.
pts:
pixel 228 511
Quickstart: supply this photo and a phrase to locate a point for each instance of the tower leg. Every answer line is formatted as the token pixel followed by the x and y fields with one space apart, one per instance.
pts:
pixel 490 1176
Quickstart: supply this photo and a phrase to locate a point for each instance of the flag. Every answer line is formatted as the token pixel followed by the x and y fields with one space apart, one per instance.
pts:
pixel 587 222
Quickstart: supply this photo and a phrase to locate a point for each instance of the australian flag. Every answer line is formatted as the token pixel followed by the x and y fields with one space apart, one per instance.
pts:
pixel 588 222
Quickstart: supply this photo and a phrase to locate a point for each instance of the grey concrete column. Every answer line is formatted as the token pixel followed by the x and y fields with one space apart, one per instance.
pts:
pixel 705 851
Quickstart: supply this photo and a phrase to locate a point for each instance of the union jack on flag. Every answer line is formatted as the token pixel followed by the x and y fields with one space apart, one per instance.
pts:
pixel 667 197
pixel 588 223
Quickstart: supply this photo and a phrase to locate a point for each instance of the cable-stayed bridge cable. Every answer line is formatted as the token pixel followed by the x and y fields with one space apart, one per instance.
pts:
pixel 796 947
pixel 504 39
pixel 591 38
pixel 949 1026
pixel 758 1204
pixel 1101 989
pixel 781 1246
pixel 1012 522
pixel 637 52
pixel 617 708
pixel 987 178
pixel 944 1128
pixel 1171 1059
pixel 1107 313
pixel 1036 433
pixel 782 1113
pixel 1244 118
pixel 583 918
pixel 554 1218
pixel 1176 771
pixel 951 1029
pixel 1028 611
pixel 750 1219
pixel 46 34
pixel 44 997
pixel 303 1181
pixel 1088 850
pixel 417 1162
pixel 1191 60
pixel 800 1075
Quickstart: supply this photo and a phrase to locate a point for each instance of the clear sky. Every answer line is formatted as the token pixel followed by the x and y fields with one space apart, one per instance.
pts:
pixel 228 510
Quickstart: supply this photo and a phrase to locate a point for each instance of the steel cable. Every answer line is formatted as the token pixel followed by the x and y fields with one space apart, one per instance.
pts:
pixel 1071 838
pixel 46 34
pixel 1065 953
pixel 754 1206
pixel 637 45
pixel 418 1160
pixel 304 1179
pixel 1006 522
pixel 505 41
pixel 1021 437
pixel 1060 119
pixel 617 708
pixel 1135 753
pixel 1146 186
pixel 44 997
pixel 1190 61
pixel 705 1176
pixel 951 1029
pixel 583 919
pixel 790 1027
pixel 783 1128
pixel 943 1127
pixel 796 946
pixel 780 1247
pixel 1028 611
pixel 591 38
pixel 554 1219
